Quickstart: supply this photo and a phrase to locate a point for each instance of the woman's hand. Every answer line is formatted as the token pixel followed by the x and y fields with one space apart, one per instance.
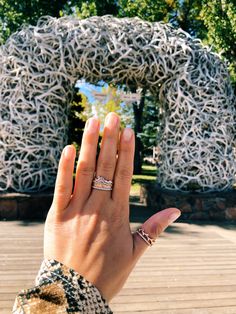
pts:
pixel 88 229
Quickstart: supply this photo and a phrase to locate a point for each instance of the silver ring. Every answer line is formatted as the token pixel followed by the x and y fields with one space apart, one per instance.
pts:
pixel 100 183
pixel 145 236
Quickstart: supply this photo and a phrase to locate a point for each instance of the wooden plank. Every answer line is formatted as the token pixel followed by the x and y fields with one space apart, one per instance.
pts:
pixel 211 310
pixel 187 304
pixel 174 290
pixel 154 297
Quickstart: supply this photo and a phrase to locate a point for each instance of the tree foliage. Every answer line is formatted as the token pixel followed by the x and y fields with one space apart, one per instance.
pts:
pixel 15 13
pixel 88 8
pixel 186 15
pixel 219 17
pixel 149 10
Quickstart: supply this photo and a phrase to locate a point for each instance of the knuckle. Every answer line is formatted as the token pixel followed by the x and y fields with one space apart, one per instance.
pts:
pixel 63 167
pixel 125 173
pixel 85 169
pixel 118 220
pixel 125 148
pixel 61 189
pixel 109 135
pixel 107 166
pixel 89 138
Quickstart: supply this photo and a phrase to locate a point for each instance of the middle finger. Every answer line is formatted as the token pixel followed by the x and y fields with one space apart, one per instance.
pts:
pixel 107 157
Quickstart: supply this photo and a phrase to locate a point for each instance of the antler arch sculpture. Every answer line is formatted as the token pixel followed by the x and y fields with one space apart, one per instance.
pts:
pixel 39 66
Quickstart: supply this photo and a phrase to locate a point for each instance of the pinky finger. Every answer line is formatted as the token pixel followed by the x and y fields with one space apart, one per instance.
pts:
pixel 64 181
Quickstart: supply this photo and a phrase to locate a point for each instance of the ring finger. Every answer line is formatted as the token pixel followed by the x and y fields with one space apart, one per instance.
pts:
pixel 107 157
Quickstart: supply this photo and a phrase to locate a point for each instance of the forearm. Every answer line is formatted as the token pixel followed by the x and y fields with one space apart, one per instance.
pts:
pixel 60 289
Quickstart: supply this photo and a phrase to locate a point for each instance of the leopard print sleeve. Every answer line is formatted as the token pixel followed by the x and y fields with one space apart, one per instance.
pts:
pixel 58 290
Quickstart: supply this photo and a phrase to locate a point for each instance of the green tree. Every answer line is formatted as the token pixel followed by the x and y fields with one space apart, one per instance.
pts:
pixel 84 9
pixel 15 13
pixel 219 17
pixel 214 22
pixel 187 15
pixel 10 20
pixel 149 10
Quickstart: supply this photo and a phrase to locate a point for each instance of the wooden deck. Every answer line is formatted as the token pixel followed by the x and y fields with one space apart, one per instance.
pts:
pixel 191 269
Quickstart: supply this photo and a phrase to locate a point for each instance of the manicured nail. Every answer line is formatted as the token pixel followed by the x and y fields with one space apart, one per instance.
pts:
pixel 174 216
pixel 127 134
pixel 111 120
pixel 68 151
pixel 92 125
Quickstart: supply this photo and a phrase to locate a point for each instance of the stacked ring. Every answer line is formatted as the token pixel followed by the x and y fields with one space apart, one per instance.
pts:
pixel 145 236
pixel 100 183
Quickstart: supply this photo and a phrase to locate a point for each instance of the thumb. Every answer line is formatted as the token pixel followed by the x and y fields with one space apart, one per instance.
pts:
pixel 154 226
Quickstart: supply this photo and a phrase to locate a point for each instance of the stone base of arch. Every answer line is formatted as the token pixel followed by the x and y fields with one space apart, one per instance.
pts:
pixel 213 206
pixel 207 207
pixel 25 206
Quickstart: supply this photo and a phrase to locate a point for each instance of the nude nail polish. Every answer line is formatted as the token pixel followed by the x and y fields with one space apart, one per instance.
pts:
pixel 92 125
pixel 111 120
pixel 127 134
pixel 67 151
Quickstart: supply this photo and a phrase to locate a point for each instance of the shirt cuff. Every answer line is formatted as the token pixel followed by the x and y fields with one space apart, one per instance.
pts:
pixel 61 289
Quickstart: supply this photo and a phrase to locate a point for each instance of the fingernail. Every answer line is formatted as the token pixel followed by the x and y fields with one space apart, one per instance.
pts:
pixel 92 125
pixel 127 134
pixel 67 151
pixel 111 120
pixel 174 216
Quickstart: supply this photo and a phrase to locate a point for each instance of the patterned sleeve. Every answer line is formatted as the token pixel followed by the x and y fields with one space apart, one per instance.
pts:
pixel 58 290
